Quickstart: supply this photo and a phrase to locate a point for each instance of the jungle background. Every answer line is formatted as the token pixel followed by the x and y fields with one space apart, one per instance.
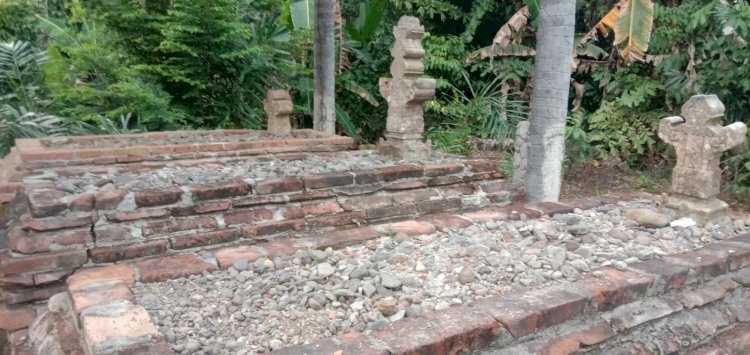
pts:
pixel 121 66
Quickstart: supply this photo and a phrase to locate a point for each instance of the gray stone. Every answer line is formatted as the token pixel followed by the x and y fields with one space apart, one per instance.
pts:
pixel 579 229
pixel 278 106
pixel 324 270
pixel 618 234
pixel 386 306
pixel 390 281
pixel 466 275
pixel 648 218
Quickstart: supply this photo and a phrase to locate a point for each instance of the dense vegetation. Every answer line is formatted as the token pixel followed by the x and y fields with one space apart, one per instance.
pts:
pixel 110 66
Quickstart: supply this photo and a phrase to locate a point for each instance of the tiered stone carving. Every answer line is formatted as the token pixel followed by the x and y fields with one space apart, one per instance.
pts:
pixel 279 107
pixel 699 140
pixel 406 93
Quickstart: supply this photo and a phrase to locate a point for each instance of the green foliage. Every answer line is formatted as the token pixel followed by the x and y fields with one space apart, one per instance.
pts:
pixel 20 73
pixel 18 122
pixel 18 21
pixel 577 139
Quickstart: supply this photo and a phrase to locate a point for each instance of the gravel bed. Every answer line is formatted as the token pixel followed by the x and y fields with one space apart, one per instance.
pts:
pixel 250 169
pixel 186 137
pixel 269 304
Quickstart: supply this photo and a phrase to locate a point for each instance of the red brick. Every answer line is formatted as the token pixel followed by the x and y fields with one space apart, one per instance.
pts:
pixel 258 200
pixel 615 288
pixel 279 185
pixel 445 221
pixel 425 207
pixel 206 207
pixel 201 239
pixel 496 186
pixel 456 329
pixel 457 191
pixel 310 195
pixel 150 198
pixel 363 177
pixel 52 276
pixel 336 220
pixel 486 216
pixel 317 209
pixel 582 203
pixel 46 202
pixel 701 295
pixel 252 231
pixel 180 224
pixel 30 243
pixel 54 223
pixel 280 247
pixel 136 215
pixel 10 265
pixel 130 327
pixel 640 312
pixel 481 166
pixel 173 267
pixel 326 180
pixel 109 200
pixel 360 203
pixel 112 233
pixel 37 293
pixel 14 318
pixel 736 254
pixel 549 208
pixel 414 196
pixel 405 185
pixel 733 341
pixel 7 198
pixel 83 202
pixel 515 211
pixel 408 227
pixel 398 172
pixel 342 238
pixel 90 276
pixel 344 344
pixel 228 256
pixel 16 281
pixel 433 170
pixel 128 251
pixel 218 190
pixel 249 216
pixel 669 275
pixel 101 293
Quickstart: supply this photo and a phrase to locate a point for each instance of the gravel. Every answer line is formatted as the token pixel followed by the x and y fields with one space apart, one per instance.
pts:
pixel 250 169
pixel 253 308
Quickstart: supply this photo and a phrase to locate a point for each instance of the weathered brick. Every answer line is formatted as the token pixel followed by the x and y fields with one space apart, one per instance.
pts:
pixel 54 223
pixel 109 200
pixel 445 180
pixel 669 275
pixel 83 202
pixel 46 202
pixel 480 166
pixel 486 216
pixel 16 317
pixel 335 220
pixel 344 344
pixel 218 190
pixel 703 294
pixel 252 231
pixel 408 227
pixel 173 267
pixel 32 242
pixel 363 177
pixel 258 200
pixel 279 185
pixel 109 233
pixel 129 251
pixel 737 255
pixel 10 265
pixel 634 314
pixel 456 329
pixel 405 185
pixel 398 172
pixel 249 216
pixel 327 180
pixel 549 208
pixel 704 266
pixel 52 276
pixel 445 221
pixel 310 195
pixel 180 224
pixel 438 205
pixel 157 197
pixel 615 288
pixel 392 211
pixel 38 293
pixel 90 276
pixel 457 191
pixel 122 323
pixel 582 203
pixel 495 186
pixel 433 170
pixel 205 207
pixel 228 256
pixel 16 281
pixel 100 293
pixel 361 203
pixel 136 215
pixel 591 334
pixel 342 238
pixel 484 176
pixel 414 196
pixel 201 239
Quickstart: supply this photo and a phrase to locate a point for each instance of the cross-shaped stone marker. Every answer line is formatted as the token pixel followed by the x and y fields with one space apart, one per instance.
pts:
pixel 406 93
pixel 699 140
pixel 278 106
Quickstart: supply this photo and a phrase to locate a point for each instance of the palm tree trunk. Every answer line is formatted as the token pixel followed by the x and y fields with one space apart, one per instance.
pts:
pixel 324 103
pixel 549 101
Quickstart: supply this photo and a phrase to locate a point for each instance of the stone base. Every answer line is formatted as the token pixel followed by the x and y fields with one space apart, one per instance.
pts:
pixel 405 149
pixel 700 210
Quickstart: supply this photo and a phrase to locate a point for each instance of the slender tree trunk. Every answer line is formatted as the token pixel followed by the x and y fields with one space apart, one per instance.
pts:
pixel 324 104
pixel 549 100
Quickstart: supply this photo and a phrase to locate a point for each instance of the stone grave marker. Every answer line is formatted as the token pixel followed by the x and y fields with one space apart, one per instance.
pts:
pixel 278 106
pixel 406 93
pixel 699 140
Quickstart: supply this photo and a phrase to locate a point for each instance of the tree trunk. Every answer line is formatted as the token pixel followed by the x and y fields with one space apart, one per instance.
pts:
pixel 324 103
pixel 549 100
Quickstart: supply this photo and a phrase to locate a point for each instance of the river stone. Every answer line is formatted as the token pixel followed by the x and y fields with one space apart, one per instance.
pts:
pixel 390 281
pixel 386 306
pixel 648 218
pixel 618 234
pixel 466 275
pixel 324 270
